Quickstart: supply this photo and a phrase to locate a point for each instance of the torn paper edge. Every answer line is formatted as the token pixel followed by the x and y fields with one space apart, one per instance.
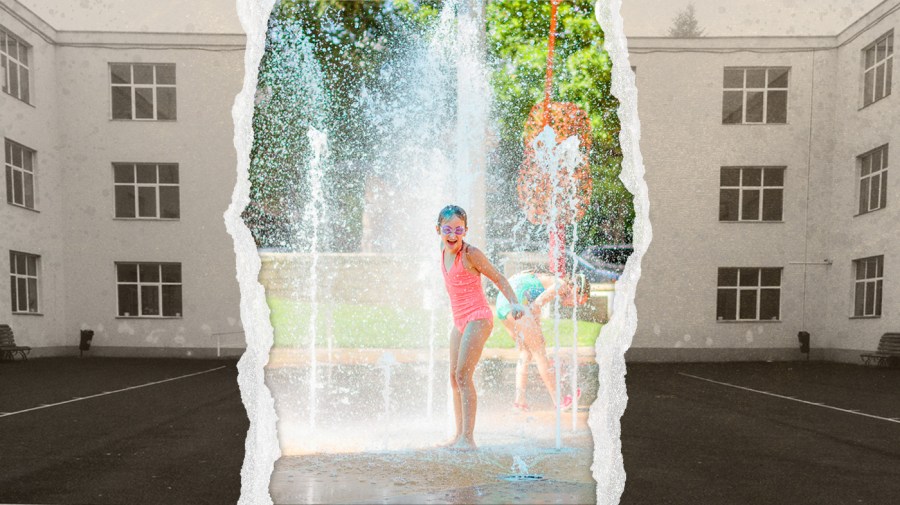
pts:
pixel 261 445
pixel 615 337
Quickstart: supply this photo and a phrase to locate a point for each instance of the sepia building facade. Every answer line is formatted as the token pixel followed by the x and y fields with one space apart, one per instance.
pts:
pixel 767 163
pixel 118 166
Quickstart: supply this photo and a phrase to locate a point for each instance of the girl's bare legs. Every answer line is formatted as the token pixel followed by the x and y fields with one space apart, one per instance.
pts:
pixel 533 340
pixel 473 339
pixel 548 374
pixel 522 364
pixel 455 339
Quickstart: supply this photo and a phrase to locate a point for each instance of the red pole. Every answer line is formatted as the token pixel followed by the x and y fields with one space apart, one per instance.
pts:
pixel 551 43
pixel 558 249
pixel 557 230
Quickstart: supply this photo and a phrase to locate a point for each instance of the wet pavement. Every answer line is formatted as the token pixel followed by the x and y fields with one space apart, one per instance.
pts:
pixel 373 434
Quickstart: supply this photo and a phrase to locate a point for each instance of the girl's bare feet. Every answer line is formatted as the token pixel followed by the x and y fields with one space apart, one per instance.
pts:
pixel 449 443
pixel 464 444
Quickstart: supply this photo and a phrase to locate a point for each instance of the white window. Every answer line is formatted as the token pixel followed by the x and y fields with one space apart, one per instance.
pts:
pixel 868 286
pixel 878 60
pixel 873 180
pixel 751 193
pixel 19 175
pixel 142 91
pixel 23 282
pixel 755 95
pixel 749 294
pixel 13 66
pixel 149 289
pixel 146 190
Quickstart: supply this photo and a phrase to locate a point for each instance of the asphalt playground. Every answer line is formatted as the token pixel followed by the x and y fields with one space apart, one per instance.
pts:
pixel 148 431
pixel 120 431
pixel 718 434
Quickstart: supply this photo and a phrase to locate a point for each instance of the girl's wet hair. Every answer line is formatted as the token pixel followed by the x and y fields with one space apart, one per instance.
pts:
pixel 451 211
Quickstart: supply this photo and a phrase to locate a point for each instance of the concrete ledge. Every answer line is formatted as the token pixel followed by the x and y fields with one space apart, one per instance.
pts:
pixel 289 356
pixel 138 352
pixel 695 354
pixel 53 352
pixel 840 355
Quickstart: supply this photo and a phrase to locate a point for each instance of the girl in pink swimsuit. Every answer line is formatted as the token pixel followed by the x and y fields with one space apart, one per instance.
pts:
pixel 473 320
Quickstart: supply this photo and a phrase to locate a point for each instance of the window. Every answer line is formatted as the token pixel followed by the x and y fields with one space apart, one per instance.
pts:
pixel 146 190
pixel 23 282
pixel 869 278
pixel 149 289
pixel 878 61
pixel 142 91
pixel 13 66
pixel 873 180
pixel 749 294
pixel 19 175
pixel 751 193
pixel 755 95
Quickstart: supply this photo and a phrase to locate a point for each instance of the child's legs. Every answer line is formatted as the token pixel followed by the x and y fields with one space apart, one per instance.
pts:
pixel 455 339
pixel 515 332
pixel 470 347
pixel 534 342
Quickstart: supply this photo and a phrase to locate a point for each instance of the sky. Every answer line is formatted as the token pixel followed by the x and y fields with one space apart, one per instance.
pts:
pixel 746 17
pixel 204 16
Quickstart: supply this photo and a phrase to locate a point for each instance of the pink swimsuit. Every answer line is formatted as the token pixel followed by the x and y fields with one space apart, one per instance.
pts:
pixel 466 296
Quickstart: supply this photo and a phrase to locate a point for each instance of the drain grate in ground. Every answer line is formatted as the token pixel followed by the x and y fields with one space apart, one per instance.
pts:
pixel 522 477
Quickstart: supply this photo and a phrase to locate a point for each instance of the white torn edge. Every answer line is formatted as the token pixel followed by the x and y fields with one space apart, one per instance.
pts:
pixel 261 445
pixel 615 337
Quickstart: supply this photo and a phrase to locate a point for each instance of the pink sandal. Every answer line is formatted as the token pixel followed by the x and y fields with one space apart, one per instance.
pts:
pixel 521 407
pixel 568 401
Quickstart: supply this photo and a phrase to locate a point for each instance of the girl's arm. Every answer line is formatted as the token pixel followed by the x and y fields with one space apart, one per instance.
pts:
pixel 483 265
pixel 558 288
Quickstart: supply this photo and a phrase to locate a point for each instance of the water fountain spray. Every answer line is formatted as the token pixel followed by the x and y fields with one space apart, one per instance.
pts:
pixel 555 187
pixel 312 216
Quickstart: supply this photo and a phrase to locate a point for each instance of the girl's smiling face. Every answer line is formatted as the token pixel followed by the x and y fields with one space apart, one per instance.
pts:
pixel 448 230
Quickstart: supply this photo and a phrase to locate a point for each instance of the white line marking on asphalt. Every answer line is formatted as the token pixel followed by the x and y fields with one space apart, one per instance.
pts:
pixel 888 419
pixel 110 392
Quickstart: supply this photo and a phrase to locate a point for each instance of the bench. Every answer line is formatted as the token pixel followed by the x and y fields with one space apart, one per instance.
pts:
pixel 8 347
pixel 888 352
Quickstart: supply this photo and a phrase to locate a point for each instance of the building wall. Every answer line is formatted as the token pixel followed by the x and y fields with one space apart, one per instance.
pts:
pixel 37 231
pixel 860 129
pixel 684 144
pixel 76 232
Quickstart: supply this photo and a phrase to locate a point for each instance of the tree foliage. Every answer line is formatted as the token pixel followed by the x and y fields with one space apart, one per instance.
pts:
pixel 518 33
pixel 685 24
pixel 351 40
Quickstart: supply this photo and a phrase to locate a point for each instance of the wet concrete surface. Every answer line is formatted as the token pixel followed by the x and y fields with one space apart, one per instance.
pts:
pixel 431 475
pixel 374 436
pixel 522 492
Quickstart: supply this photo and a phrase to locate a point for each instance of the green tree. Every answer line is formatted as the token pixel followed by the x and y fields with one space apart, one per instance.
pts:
pixel 352 40
pixel 518 33
pixel 685 24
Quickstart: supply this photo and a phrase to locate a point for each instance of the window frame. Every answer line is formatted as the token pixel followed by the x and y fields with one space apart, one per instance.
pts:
pixel 6 59
pixel 15 277
pixel 11 169
pixel 765 91
pixel 742 188
pixel 887 62
pixel 758 287
pixel 140 284
pixel 136 185
pixel 133 87
pixel 861 160
pixel 876 281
